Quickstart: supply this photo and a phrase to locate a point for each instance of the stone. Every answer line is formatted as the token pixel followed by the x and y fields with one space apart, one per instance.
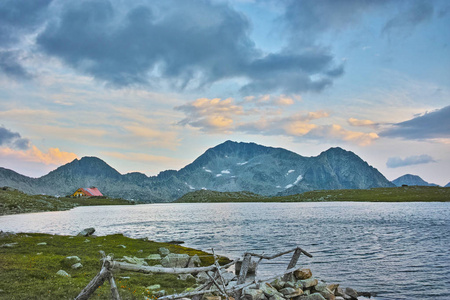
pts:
pixel 9 245
pixel 62 273
pixel 290 284
pixel 291 292
pixel 173 260
pixel 77 266
pixel 194 262
pixel 163 251
pixel 253 294
pixel 351 292
pixel 213 298
pixel 315 296
pixel 340 292
pixel 153 257
pixel 278 283
pixel 70 260
pixel 303 274
pixel 323 289
pixel 202 277
pixel 320 287
pixel 41 244
pixel 227 277
pixel 159 293
pixel 87 241
pixel 86 232
pixel 332 287
pixel 135 260
pixel 309 282
pixel 121 246
pixel 269 290
pixel 153 287
pixel 186 277
pixel 277 297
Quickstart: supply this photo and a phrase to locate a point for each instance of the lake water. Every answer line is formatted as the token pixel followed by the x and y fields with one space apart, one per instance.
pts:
pixel 397 250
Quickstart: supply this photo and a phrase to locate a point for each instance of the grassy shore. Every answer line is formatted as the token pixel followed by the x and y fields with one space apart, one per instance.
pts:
pixel 15 202
pixel 396 194
pixel 28 268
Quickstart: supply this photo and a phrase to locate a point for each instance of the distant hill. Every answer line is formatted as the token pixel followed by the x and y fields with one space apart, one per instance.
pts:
pixel 228 167
pixel 411 180
pixel 447 185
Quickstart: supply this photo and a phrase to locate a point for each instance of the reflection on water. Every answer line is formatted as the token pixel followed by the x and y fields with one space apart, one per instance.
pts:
pixel 399 250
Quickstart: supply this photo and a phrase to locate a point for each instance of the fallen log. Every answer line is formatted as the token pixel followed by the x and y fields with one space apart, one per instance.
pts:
pixel 150 269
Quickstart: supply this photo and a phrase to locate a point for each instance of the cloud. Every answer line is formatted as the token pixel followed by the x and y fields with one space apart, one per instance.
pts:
pixel 53 156
pixel 150 43
pixel 361 123
pixel 419 12
pixel 337 132
pixel 10 65
pixel 271 100
pixel 396 162
pixel 430 125
pixel 13 139
pixel 211 115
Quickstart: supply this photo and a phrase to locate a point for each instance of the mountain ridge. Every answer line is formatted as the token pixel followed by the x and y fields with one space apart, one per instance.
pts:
pixel 227 167
pixel 409 179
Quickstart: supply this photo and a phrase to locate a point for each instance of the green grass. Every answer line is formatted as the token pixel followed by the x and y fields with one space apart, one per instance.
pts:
pixel 14 202
pixel 28 270
pixel 395 194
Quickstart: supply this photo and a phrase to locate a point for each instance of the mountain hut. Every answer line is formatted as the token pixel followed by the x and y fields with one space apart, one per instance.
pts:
pixel 87 192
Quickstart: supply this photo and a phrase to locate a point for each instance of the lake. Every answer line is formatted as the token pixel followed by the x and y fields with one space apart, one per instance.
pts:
pixel 397 250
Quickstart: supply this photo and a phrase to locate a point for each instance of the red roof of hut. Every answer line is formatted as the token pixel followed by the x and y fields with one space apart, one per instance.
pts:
pixel 92 191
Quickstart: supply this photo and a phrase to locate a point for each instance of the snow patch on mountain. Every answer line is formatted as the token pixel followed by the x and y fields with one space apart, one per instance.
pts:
pixel 289 172
pixel 242 163
pixel 225 172
pixel 299 178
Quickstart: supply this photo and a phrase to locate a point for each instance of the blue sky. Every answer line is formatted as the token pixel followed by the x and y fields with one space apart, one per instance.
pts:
pixel 150 85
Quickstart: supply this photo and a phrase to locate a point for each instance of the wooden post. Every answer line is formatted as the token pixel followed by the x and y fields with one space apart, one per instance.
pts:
pixel 243 274
pixel 293 262
pixel 97 281
pixel 114 291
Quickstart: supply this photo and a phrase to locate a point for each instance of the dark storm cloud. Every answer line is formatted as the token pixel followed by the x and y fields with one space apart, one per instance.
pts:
pixel 396 162
pixel 430 125
pixel 13 139
pixel 17 18
pixel 190 44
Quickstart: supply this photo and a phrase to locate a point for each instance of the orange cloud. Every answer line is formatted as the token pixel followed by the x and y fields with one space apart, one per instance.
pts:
pixel 361 138
pixel 53 156
pixel 356 122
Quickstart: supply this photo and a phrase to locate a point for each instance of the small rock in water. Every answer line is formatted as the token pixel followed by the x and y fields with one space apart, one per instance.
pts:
pixel 62 273
pixel 87 232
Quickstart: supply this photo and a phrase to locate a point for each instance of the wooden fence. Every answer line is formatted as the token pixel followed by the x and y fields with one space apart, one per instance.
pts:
pixel 106 273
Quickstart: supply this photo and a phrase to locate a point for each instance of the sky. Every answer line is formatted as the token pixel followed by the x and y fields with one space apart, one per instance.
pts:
pixel 151 85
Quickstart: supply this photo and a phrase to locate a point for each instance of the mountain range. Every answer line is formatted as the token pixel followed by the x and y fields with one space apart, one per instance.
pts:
pixel 228 167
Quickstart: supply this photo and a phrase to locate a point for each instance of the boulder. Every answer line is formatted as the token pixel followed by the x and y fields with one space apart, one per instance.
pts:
pixel 163 251
pixel 135 260
pixel 352 293
pixel 202 277
pixel 291 292
pixel 70 260
pixel 323 289
pixel 332 287
pixel 253 294
pixel 173 260
pixel 227 277
pixel 194 261
pixel 302 274
pixel 278 283
pixel 186 277
pixel 159 293
pixel 86 232
pixel 340 293
pixel 277 297
pixel 315 296
pixel 269 290
pixel 153 257
pixel 153 287
pixel 310 282
pixel 62 273
pixel 77 266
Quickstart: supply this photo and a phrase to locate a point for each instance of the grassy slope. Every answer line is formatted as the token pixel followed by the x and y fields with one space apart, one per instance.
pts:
pixel 28 270
pixel 14 202
pixel 398 194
